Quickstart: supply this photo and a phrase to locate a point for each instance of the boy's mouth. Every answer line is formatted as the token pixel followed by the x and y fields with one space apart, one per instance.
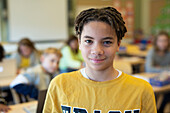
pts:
pixel 97 60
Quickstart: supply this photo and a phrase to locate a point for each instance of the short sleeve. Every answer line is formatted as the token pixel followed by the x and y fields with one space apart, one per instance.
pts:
pixel 148 100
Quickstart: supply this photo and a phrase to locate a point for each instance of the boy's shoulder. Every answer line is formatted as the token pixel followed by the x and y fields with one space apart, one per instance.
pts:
pixel 65 48
pixel 137 82
pixel 66 76
pixel 35 69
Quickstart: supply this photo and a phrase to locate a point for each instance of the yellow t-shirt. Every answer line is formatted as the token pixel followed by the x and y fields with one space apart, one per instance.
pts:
pixel 25 62
pixel 71 92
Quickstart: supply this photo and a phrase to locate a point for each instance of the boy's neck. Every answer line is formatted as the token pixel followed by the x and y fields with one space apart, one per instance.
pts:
pixel 104 75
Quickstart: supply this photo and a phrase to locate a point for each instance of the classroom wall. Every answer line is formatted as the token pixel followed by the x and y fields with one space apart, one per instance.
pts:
pixel 40 20
pixel 3 21
pixel 85 4
pixel 145 15
pixel 155 9
pixel 146 12
pixel 0 22
pixel 150 10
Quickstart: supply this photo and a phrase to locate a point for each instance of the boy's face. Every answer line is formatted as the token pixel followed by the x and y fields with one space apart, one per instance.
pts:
pixel 98 45
pixel 50 63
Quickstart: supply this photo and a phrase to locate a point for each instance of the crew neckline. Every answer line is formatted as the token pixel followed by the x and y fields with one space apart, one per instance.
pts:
pixel 103 83
pixel 83 72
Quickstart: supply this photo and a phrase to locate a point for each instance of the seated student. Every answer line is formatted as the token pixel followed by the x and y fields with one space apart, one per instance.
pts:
pixel 72 59
pixel 99 87
pixel 158 58
pixel 165 101
pixel 39 76
pixel 138 36
pixel 3 107
pixel 26 55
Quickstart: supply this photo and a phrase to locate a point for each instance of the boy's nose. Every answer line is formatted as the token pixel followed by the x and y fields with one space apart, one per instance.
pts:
pixel 97 50
pixel 55 64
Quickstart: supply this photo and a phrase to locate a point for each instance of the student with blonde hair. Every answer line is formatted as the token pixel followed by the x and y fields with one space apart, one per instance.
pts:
pixel 38 77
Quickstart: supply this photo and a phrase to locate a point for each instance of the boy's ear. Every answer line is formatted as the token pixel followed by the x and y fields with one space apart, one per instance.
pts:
pixel 41 58
pixel 79 41
pixel 118 46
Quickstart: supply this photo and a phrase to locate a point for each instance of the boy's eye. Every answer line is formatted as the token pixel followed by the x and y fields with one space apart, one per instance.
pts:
pixel 52 60
pixel 107 43
pixel 88 41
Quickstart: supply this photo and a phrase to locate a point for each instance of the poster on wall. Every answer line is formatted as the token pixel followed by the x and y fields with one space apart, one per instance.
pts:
pixel 126 8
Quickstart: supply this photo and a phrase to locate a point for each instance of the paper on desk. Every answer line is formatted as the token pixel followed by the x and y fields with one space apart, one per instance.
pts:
pixel 1 69
pixel 30 109
pixel 142 77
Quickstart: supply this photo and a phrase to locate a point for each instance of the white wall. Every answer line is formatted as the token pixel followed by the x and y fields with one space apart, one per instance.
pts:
pixel 40 20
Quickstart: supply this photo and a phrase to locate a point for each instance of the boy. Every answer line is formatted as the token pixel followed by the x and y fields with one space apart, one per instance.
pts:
pixel 39 76
pixel 99 87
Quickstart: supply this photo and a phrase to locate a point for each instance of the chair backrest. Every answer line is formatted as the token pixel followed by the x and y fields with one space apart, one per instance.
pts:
pixel 41 100
pixel 19 98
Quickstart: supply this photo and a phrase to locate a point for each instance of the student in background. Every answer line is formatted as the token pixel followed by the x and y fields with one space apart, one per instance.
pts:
pixel 26 55
pixel 158 58
pixel 165 101
pixel 99 87
pixel 72 59
pixel 138 36
pixel 2 53
pixel 3 107
pixel 38 77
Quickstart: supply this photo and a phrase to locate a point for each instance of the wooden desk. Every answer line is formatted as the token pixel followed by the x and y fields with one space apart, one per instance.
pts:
pixel 129 65
pixel 5 81
pixel 134 50
pixel 19 108
pixel 131 60
pixel 156 89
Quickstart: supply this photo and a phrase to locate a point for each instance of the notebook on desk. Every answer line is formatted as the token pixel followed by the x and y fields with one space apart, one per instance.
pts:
pixel 8 68
pixel 39 107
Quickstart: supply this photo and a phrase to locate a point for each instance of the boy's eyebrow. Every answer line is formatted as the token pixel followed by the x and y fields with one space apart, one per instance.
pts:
pixel 106 38
pixel 88 37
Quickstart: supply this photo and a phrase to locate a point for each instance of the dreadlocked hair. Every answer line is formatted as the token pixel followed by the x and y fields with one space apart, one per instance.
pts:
pixel 108 15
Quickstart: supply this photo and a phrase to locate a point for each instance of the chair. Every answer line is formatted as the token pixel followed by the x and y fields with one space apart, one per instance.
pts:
pixel 20 98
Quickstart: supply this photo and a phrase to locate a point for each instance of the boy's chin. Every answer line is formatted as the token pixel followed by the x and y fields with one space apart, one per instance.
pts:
pixel 97 68
pixel 51 72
